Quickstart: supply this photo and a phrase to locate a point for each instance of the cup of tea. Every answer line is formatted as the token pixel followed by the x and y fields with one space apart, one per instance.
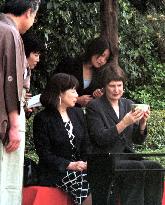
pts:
pixel 143 107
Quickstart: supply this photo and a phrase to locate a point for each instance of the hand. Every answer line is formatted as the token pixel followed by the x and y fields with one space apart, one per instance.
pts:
pixel 133 117
pixel 28 96
pixel 84 99
pixel 98 93
pixel 144 119
pixel 77 166
pixel 14 140
pixel 28 112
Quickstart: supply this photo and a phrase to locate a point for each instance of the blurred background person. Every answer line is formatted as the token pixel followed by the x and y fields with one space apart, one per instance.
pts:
pixel 33 49
pixel 86 68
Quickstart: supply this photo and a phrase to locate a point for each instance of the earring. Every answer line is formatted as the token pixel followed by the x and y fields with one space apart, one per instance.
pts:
pixel 59 100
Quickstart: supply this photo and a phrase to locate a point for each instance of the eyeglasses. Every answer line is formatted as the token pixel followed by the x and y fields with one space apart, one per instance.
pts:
pixel 36 19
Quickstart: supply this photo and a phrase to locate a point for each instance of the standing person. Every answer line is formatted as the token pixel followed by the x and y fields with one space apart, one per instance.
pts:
pixel 86 69
pixel 17 18
pixel 33 48
pixel 60 139
pixel 113 128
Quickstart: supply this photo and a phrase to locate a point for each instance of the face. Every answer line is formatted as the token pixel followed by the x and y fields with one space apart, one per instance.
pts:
pixel 99 60
pixel 33 59
pixel 114 90
pixel 69 98
pixel 28 20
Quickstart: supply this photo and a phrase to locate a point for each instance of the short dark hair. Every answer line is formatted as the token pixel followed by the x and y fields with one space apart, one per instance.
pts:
pixel 96 46
pixel 18 7
pixel 112 72
pixel 31 44
pixel 58 83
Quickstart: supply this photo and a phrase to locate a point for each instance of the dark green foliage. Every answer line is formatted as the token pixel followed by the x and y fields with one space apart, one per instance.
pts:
pixel 155 142
pixel 140 54
pixel 64 26
pixel 156 132
pixel 144 5
pixel 29 135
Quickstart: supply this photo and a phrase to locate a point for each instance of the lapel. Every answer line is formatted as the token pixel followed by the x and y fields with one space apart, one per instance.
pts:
pixel 109 111
pixel 57 123
pixel 74 123
pixel 122 109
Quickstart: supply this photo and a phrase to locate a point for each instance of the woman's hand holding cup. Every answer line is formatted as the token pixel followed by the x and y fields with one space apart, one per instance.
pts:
pixel 132 117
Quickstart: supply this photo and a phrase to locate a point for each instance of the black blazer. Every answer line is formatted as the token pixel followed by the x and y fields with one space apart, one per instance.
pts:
pixel 102 120
pixel 74 66
pixel 52 143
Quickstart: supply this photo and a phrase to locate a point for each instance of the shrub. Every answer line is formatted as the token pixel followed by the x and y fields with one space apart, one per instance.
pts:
pixel 156 132
pixel 155 142
pixel 30 151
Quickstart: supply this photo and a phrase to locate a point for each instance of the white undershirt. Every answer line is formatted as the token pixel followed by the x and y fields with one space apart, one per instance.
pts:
pixel 116 109
pixel 86 83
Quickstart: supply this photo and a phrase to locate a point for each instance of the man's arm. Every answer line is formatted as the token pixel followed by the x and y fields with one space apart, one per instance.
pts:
pixel 11 92
pixel 14 135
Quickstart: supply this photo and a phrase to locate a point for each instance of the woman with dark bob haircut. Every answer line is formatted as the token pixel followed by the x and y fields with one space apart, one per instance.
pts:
pixel 60 138
pixel 113 128
pixel 87 67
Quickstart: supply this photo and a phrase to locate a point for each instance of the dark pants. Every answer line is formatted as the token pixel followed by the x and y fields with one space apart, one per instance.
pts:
pixel 134 188
pixel 99 177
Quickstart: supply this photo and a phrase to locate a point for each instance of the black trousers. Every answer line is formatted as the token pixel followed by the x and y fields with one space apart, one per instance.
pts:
pixel 140 187
pixel 133 188
pixel 99 173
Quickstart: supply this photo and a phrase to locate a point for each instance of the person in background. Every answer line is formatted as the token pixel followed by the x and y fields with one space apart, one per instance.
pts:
pixel 17 17
pixel 60 138
pixel 33 49
pixel 114 128
pixel 86 69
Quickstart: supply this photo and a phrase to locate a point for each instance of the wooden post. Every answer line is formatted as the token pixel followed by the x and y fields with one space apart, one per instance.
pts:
pixel 109 25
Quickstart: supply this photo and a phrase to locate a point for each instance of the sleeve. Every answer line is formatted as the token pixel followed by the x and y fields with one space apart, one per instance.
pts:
pixel 43 146
pixel 81 133
pixel 99 132
pixel 137 137
pixel 10 80
pixel 85 144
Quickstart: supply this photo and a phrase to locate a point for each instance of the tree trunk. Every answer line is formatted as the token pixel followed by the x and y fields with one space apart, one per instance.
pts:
pixel 109 25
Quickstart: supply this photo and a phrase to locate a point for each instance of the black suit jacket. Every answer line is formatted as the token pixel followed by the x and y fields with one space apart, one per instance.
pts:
pixel 74 66
pixel 102 120
pixel 52 143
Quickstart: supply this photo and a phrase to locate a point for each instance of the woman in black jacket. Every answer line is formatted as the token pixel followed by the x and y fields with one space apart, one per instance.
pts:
pixel 86 69
pixel 60 139
pixel 114 128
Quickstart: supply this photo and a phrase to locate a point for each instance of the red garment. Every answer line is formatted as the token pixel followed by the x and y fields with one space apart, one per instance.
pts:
pixel 37 195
